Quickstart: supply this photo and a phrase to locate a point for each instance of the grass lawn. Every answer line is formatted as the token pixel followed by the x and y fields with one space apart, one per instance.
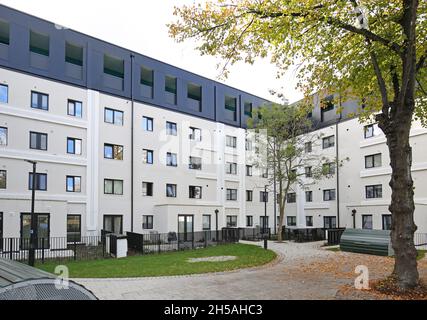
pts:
pixel 421 253
pixel 167 264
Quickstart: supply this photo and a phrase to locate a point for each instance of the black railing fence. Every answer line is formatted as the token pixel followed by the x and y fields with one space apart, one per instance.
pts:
pixel 420 240
pixel 172 241
pixel 55 248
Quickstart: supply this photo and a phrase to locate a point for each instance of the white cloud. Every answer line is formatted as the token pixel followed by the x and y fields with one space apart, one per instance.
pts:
pixel 141 26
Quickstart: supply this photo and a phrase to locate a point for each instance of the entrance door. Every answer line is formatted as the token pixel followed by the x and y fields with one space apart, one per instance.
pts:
pixel 113 223
pixel 42 231
pixel 185 227
pixel 329 222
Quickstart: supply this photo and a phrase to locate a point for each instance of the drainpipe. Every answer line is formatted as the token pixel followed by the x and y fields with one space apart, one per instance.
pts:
pixel 337 167
pixel 132 58
pixel 274 189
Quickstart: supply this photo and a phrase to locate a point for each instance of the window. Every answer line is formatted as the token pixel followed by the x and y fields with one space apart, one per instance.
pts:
pixel 326 105
pixel 41 181
pixel 38 141
pixel 248 109
pixel 231 168
pixel 147 156
pixel 264 173
pixel 171 160
pixel 249 171
pixel 170 89
pixel 367 221
pixel 147 124
pixel 328 142
pixel 249 195
pixel 74 108
pixel 249 221
pixel 4 93
pixel 263 221
pixel 113 186
pixel 3 179
pixel 4 32
pixel 3 136
pixel 248 145
pixel 39 43
pixel 231 105
pixel 308 172
pixel 195 192
pixel 330 222
pixel 372 130
pixel 147 82
pixel 263 196
pixel 171 190
pixel 231 221
pixel 373 192
pixel 74 184
pixel 291 221
pixel 147 189
pixel 74 146
pixel 194 94
pixel 328 168
pixel 73 54
pixel 39 100
pixel 195 163
pixel 147 222
pixel 386 221
pixel 231 141
pixel 113 223
pixel 308 147
pixel 74 228
pixel 112 151
pixel 195 134
pixel 206 222
pixel 42 230
pixel 291 197
pixel 171 128
pixel 232 194
pixel 114 67
pixel 329 195
pixel 113 116
pixel 309 221
pixel 309 196
pixel 373 161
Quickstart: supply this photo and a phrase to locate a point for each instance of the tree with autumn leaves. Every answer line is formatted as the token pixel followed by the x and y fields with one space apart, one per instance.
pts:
pixel 373 51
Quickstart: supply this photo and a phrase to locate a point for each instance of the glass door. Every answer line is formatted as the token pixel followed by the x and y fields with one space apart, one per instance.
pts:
pixel 42 231
pixel 185 227
pixel 113 223
pixel 1 231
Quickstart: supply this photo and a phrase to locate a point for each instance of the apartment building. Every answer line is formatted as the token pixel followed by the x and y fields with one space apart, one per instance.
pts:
pixel 124 142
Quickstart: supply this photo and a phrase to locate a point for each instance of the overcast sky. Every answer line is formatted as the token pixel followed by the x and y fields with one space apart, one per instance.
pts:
pixel 141 27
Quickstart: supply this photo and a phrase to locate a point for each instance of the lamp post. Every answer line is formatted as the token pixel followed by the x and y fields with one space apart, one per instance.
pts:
pixel 265 217
pixel 353 213
pixel 216 223
pixel 33 228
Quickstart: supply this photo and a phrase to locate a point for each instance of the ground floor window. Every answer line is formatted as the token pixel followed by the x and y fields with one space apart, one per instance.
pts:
pixel 206 222
pixel 292 221
pixel 263 222
pixel 249 221
pixel 113 223
pixel 1 231
pixel 231 221
pixel 185 227
pixel 367 221
pixel 74 228
pixel 329 222
pixel 42 231
pixel 309 221
pixel 147 222
pixel 386 221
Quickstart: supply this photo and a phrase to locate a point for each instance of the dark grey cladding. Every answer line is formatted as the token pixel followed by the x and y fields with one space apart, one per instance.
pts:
pixel 51 64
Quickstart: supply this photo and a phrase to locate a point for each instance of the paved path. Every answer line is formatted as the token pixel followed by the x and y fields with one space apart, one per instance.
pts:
pixel 279 280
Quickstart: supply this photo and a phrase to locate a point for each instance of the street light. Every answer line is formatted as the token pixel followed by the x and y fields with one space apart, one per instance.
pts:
pixel 33 228
pixel 216 223
pixel 265 217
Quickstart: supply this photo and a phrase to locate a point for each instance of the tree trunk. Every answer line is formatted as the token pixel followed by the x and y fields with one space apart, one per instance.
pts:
pixel 402 198
pixel 280 228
